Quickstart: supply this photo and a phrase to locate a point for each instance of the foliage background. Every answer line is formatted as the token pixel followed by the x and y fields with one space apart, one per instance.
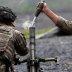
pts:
pixel 21 6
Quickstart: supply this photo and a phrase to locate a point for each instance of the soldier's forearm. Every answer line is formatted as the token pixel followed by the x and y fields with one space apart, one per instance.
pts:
pixel 54 17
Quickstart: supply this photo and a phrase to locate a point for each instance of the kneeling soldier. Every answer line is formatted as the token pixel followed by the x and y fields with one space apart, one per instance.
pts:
pixel 11 40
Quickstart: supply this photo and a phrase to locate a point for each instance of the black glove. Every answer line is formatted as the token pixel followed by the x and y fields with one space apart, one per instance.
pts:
pixel 39 8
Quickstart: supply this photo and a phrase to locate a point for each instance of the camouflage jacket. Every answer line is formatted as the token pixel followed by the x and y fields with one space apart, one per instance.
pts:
pixel 64 25
pixel 16 42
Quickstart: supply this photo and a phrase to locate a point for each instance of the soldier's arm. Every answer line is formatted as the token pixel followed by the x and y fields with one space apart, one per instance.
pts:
pixel 64 25
pixel 59 21
pixel 20 44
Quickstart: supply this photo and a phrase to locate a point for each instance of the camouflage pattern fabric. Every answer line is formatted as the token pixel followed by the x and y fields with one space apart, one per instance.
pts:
pixel 2 67
pixel 11 40
pixel 64 25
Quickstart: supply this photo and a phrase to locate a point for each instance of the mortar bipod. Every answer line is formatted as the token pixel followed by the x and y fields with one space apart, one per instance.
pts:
pixel 36 63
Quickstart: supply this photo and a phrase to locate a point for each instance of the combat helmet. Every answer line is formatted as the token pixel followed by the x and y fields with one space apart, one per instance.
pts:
pixel 6 15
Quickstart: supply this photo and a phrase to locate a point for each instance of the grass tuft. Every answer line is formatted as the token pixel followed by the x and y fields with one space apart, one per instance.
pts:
pixel 41 31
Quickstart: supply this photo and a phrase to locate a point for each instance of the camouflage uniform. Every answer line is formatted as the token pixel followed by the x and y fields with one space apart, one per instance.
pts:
pixel 64 25
pixel 15 42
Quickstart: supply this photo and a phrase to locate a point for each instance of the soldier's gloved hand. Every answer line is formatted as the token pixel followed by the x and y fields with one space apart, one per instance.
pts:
pixel 43 7
pixel 39 9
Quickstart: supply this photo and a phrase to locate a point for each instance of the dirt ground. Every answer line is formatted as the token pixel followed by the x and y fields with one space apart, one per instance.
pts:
pixel 60 47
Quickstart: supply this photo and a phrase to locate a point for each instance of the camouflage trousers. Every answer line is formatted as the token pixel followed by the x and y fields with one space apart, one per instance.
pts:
pixel 3 67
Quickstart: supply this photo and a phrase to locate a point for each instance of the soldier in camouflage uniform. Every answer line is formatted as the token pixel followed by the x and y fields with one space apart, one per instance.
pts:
pixel 11 40
pixel 63 24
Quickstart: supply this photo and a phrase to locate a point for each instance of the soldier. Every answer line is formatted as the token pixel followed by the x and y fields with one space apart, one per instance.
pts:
pixel 11 40
pixel 63 24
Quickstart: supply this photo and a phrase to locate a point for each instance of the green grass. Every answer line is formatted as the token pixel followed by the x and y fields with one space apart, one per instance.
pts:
pixel 26 32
